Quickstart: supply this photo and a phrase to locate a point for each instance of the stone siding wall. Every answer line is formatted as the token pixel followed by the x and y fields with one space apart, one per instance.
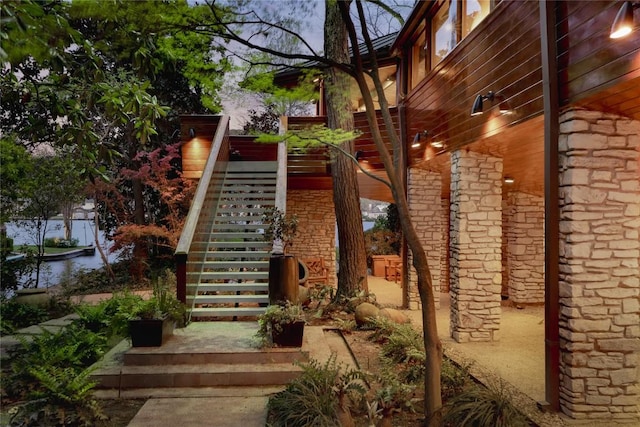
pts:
pixel 525 249
pixel 599 272
pixel 425 206
pixel 316 227
pixel 475 246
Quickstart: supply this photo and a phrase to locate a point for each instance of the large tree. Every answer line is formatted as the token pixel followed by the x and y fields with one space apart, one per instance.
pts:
pixel 361 72
pixel 107 80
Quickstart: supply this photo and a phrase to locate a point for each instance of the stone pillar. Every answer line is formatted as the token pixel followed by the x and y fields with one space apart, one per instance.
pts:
pixel 316 227
pixel 599 280
pixel 425 188
pixel 475 246
pixel 525 248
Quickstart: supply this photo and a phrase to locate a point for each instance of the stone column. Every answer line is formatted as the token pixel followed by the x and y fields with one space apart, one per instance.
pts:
pixel 525 248
pixel 425 188
pixel 599 273
pixel 316 227
pixel 475 246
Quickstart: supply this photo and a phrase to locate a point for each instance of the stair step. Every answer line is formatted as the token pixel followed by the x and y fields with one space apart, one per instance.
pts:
pixel 144 356
pixel 249 179
pixel 251 219
pixel 227 299
pixel 228 287
pixel 232 254
pixel 248 187
pixel 257 228
pixel 200 375
pixel 226 311
pixel 243 244
pixel 234 264
pixel 247 166
pixel 232 210
pixel 242 275
pixel 235 235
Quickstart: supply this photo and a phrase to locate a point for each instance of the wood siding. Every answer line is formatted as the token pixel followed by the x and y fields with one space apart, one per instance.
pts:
pixel 501 55
pixel 196 150
pixel 595 71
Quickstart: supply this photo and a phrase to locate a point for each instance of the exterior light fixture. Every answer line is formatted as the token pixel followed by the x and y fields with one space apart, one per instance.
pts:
pixel 359 155
pixel 476 109
pixel 623 24
pixel 416 139
pixel 192 133
pixel 509 180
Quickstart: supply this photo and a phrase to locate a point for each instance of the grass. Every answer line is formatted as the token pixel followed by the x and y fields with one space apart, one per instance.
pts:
pixel 53 251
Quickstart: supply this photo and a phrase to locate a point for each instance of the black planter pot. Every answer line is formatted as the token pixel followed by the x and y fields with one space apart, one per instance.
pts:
pixel 150 332
pixel 290 336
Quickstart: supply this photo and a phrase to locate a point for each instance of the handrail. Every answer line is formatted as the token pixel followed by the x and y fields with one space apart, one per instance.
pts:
pixel 281 180
pixel 206 192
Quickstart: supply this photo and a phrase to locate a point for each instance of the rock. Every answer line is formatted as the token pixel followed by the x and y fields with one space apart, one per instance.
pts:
pixel 304 296
pixel 396 316
pixel 365 312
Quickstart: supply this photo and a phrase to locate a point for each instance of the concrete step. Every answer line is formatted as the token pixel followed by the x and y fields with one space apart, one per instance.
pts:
pixel 200 375
pixel 208 312
pixel 227 299
pixel 228 287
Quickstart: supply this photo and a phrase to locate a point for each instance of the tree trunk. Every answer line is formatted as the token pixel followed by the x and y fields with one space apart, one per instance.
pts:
pixel 352 271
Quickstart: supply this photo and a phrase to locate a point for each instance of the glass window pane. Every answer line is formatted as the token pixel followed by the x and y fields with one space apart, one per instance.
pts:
pixel 474 11
pixel 444 36
pixel 418 61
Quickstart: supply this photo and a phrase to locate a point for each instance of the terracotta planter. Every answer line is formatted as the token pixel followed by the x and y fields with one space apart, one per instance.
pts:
pixel 150 332
pixel 290 336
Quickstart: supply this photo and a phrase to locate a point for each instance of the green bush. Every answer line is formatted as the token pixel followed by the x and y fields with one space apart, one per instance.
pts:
pixel 404 352
pixel 111 317
pixel 15 315
pixel 73 347
pixel 60 242
pixel 314 398
pixel 480 406
pixel 453 378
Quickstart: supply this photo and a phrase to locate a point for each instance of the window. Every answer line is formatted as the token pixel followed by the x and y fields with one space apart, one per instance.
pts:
pixel 419 60
pixel 473 11
pixel 444 33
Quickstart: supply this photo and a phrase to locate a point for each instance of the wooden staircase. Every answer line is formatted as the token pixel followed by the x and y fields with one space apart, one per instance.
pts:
pixel 232 281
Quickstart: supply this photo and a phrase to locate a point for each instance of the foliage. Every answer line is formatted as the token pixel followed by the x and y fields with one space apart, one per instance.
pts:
pixel 313 399
pixel 281 228
pixel 13 272
pixel 163 302
pixel 85 282
pixel 16 168
pixel 266 121
pixel 404 352
pixel 59 242
pixel 15 315
pixel 393 395
pixel 74 347
pixel 275 316
pixel 65 399
pixel 480 406
pixel 454 378
pixel 111 317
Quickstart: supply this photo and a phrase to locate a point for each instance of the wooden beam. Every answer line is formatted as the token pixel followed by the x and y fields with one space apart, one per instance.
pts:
pixel 551 204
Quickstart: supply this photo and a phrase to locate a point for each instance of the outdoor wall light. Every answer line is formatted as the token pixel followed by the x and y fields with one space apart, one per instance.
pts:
pixel 416 139
pixel 509 180
pixel 192 133
pixel 359 155
pixel 476 109
pixel 623 24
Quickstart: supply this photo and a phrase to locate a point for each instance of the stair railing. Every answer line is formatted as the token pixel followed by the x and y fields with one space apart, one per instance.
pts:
pixel 190 254
pixel 281 182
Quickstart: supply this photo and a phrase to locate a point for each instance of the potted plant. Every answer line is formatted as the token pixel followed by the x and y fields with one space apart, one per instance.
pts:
pixel 282 325
pixel 283 269
pixel 153 320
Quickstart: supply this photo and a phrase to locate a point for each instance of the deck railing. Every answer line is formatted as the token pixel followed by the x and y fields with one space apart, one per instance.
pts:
pixel 190 253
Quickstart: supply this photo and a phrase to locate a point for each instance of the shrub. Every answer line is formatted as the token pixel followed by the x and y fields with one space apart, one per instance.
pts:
pixel 453 378
pixel 73 347
pixel 404 352
pixel 483 407
pixel 314 398
pixel 60 242
pixel 15 315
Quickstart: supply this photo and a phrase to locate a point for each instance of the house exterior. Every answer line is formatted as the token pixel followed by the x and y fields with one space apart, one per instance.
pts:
pixel 536 199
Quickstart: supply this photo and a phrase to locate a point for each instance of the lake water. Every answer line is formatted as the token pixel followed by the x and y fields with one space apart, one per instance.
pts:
pixel 53 271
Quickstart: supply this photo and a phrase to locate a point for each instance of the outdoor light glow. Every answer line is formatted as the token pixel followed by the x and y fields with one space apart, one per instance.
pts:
pixel 621 32
pixel 509 180
pixel 437 144
pixel 623 24
pixel 415 144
